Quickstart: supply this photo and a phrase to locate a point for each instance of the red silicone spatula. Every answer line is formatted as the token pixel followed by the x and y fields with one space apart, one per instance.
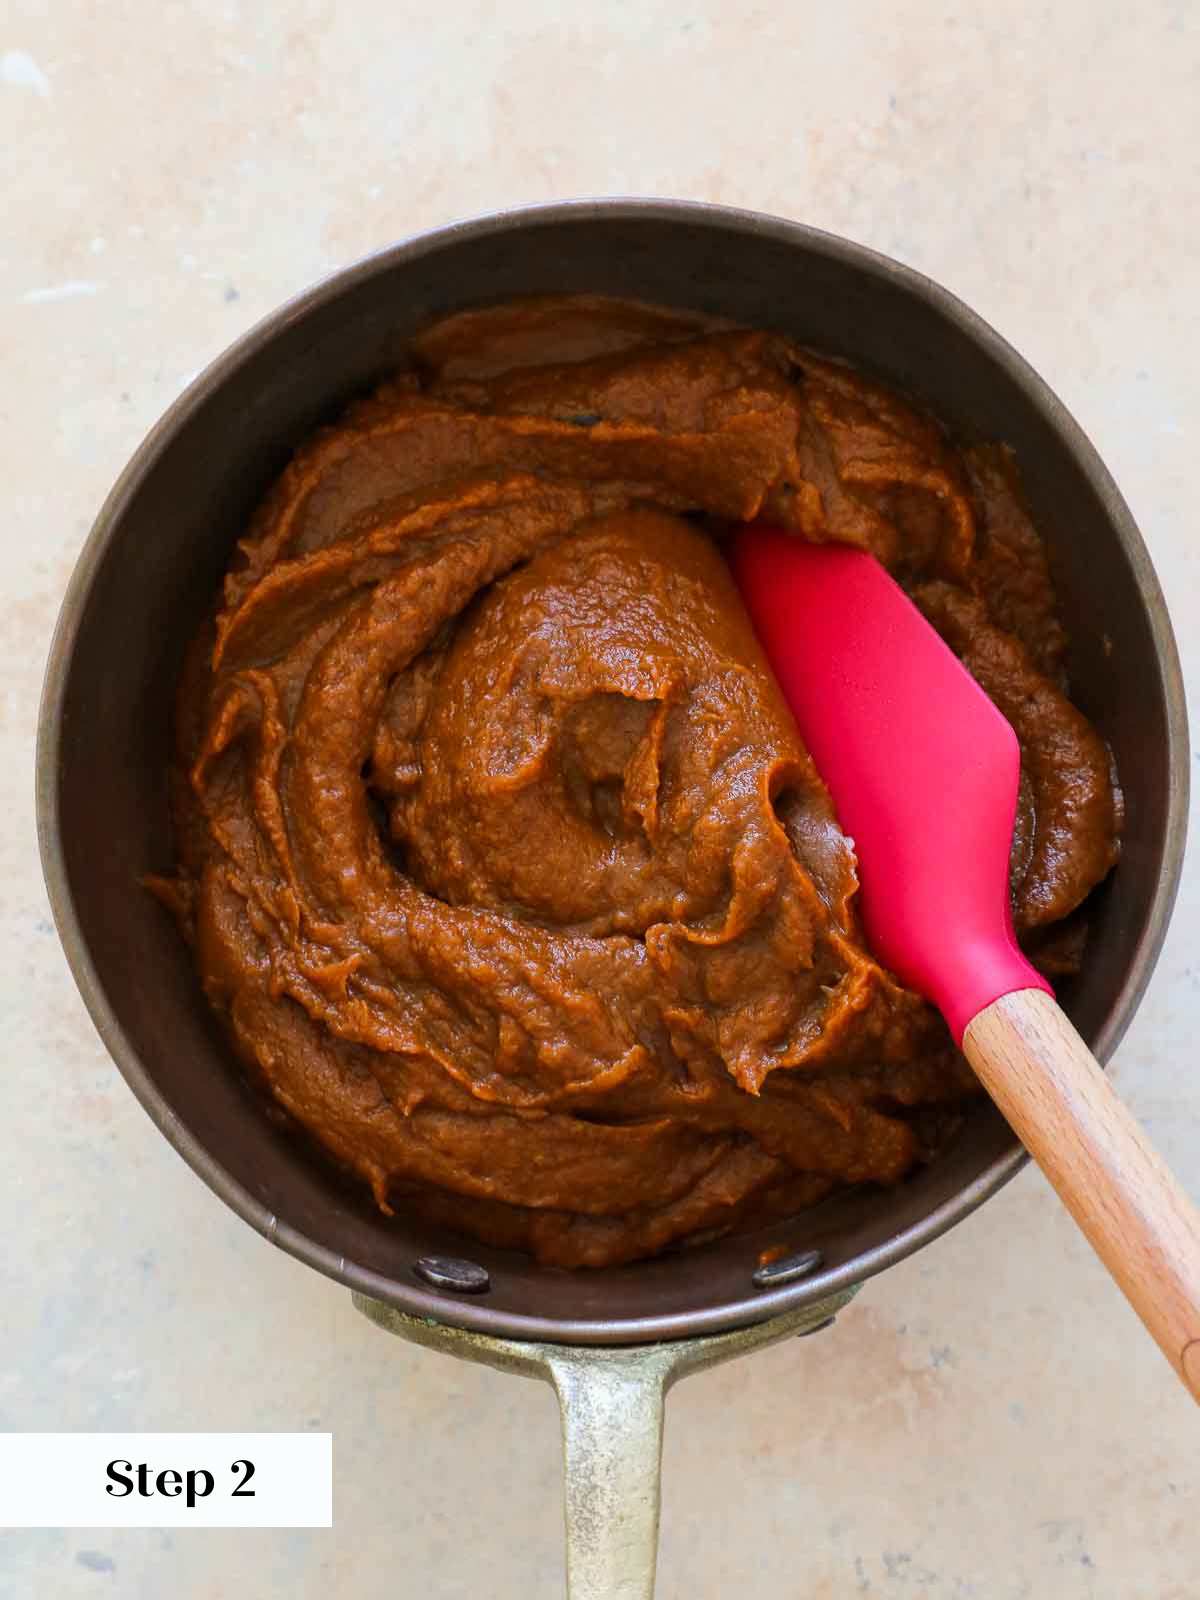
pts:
pixel 923 771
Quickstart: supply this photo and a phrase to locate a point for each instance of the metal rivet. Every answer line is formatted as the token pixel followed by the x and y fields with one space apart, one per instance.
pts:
pixel 449 1272
pixel 773 1274
pixel 820 1328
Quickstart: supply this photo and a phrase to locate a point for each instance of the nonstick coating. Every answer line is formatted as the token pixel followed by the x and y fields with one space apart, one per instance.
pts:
pixel 152 565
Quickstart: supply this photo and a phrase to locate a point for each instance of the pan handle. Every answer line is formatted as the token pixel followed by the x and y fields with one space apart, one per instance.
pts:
pixel 612 1425
pixel 611 1400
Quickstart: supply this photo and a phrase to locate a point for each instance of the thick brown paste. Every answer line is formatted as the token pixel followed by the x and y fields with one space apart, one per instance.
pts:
pixel 499 851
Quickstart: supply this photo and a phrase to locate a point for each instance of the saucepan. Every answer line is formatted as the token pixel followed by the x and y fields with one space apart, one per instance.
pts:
pixel 610 1341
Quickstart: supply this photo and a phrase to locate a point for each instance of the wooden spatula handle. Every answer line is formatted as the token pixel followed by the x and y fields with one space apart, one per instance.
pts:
pixel 1131 1208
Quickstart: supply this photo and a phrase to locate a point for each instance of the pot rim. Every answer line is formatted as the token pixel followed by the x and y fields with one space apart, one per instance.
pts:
pixel 409 1294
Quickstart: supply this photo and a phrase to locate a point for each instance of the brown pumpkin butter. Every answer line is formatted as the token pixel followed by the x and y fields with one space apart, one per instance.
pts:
pixel 500 854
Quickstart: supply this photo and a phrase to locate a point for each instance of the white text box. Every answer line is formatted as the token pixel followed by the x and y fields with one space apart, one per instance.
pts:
pixel 166 1480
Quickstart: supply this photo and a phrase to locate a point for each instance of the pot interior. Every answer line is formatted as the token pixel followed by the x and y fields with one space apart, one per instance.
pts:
pixel 157 556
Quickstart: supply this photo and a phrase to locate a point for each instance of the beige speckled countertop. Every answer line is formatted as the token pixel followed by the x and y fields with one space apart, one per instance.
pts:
pixel 987 1422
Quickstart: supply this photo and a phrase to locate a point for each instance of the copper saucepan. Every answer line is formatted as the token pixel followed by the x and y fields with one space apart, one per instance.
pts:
pixel 610 1341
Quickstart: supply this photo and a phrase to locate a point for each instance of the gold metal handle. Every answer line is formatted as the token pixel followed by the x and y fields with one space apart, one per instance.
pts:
pixel 611 1401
